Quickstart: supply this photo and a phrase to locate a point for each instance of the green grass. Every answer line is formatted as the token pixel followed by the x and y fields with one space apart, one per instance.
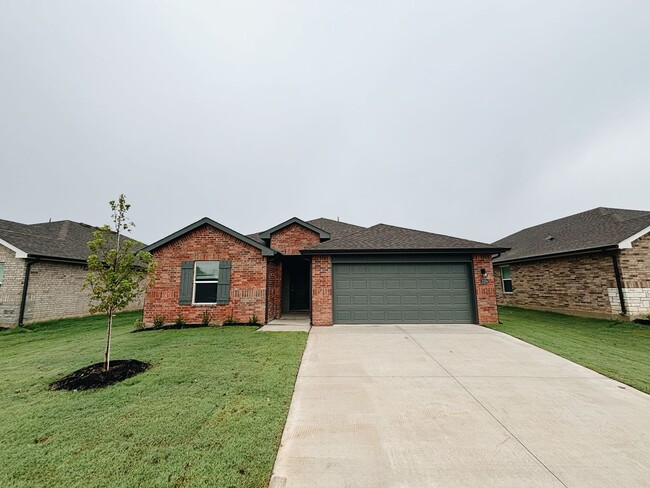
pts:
pixel 210 411
pixel 620 350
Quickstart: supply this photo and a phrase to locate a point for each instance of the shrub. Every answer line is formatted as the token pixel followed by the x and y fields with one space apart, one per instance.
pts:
pixel 179 320
pixel 230 320
pixel 139 324
pixel 159 320
pixel 254 320
pixel 206 317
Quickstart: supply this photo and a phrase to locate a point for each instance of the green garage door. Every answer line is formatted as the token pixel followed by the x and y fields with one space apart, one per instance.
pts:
pixel 407 293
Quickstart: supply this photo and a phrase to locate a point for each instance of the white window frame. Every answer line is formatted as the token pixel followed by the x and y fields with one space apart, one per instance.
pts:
pixel 2 272
pixel 503 288
pixel 204 282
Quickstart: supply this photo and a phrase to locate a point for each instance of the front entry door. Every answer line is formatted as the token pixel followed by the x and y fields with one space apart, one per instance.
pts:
pixel 299 292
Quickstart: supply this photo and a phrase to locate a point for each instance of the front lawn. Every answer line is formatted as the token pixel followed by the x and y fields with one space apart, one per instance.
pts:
pixel 210 411
pixel 620 350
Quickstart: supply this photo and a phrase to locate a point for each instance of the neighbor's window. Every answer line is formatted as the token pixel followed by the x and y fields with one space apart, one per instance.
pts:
pixel 506 279
pixel 206 278
pixel 2 272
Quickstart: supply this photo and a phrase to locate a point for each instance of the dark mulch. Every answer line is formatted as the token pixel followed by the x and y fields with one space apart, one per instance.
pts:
pixel 642 321
pixel 94 376
pixel 172 326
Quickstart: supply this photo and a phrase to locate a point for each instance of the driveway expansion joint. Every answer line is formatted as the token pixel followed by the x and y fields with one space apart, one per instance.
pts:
pixel 485 408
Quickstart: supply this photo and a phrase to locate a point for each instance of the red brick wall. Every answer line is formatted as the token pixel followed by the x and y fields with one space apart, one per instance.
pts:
pixel 247 280
pixel 275 290
pixel 293 238
pixel 486 297
pixel 321 290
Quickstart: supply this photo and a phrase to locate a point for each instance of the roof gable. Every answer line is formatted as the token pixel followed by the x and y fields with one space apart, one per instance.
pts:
pixel 599 228
pixel 266 251
pixel 266 235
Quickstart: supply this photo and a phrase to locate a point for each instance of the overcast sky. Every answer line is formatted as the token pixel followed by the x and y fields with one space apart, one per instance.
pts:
pixel 473 119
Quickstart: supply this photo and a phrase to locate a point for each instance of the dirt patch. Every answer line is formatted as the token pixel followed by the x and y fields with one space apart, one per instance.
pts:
pixel 94 376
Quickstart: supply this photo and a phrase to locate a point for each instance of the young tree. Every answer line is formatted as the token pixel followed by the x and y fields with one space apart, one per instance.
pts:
pixel 116 272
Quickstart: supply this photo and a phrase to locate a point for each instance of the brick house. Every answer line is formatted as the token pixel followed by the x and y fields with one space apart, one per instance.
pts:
pixel 336 272
pixel 42 269
pixel 594 263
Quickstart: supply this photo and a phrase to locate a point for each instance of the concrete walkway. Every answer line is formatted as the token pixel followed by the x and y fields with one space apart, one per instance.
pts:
pixel 456 406
pixel 291 322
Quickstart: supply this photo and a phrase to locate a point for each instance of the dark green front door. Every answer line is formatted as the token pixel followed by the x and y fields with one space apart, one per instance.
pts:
pixel 406 293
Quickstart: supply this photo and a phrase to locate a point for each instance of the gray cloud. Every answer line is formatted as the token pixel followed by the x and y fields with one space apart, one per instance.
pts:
pixel 468 118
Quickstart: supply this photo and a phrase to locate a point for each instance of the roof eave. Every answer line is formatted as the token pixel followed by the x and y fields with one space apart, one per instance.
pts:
pixel 541 257
pixel 57 259
pixel 266 251
pixel 487 250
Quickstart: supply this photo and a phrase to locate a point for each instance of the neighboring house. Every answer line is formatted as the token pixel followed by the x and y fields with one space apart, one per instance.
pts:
pixel 338 273
pixel 42 269
pixel 592 263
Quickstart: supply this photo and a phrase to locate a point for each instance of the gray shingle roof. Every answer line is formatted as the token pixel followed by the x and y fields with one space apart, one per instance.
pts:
pixel 336 228
pixel 382 237
pixel 598 228
pixel 63 239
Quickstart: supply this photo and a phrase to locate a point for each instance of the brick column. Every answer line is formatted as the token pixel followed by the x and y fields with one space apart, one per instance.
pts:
pixel 486 295
pixel 321 290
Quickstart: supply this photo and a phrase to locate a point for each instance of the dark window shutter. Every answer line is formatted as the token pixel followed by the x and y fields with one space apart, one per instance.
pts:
pixel 187 283
pixel 223 289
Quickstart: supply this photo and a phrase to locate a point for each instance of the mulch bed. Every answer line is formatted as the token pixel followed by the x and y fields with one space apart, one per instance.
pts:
pixel 189 326
pixel 171 327
pixel 94 376
pixel 642 321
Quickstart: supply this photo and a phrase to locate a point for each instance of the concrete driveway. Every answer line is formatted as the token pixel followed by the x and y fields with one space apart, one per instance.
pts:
pixel 462 405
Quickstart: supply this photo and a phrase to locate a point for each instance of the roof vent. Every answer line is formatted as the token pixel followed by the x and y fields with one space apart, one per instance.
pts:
pixel 549 238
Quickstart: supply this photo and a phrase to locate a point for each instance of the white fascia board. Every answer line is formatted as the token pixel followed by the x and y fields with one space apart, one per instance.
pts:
pixel 627 243
pixel 19 252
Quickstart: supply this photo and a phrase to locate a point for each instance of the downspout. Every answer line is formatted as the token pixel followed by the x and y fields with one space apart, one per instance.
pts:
pixel 619 283
pixel 23 299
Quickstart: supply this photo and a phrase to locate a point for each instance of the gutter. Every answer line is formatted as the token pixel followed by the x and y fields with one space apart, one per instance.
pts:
pixel 23 299
pixel 481 250
pixel 543 257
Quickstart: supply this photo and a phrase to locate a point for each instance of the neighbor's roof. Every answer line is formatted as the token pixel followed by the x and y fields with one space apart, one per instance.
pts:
pixel 382 237
pixel 64 239
pixel 599 228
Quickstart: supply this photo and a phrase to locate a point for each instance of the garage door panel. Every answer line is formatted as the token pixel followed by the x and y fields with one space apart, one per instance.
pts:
pixel 403 293
pixel 359 300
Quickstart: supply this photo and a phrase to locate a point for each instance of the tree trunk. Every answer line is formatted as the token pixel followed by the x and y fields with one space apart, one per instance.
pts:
pixel 107 352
